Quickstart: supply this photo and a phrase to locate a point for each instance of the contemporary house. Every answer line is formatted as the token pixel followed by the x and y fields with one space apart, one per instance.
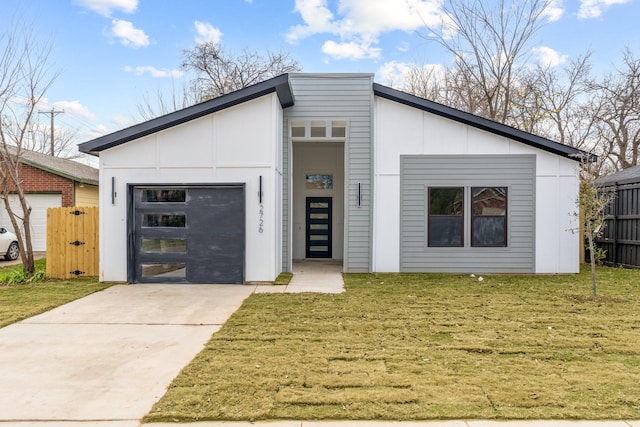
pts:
pixel 331 166
pixel 51 182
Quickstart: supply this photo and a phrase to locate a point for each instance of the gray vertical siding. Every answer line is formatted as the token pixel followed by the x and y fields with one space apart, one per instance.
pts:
pixel 286 197
pixel 517 172
pixel 347 97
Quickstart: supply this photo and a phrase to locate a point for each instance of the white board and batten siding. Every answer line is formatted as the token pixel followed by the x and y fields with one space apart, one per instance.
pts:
pixel 405 131
pixel 339 97
pixel 235 145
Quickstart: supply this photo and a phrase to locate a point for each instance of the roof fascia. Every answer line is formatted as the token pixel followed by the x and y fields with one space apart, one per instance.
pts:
pixel 482 123
pixel 279 84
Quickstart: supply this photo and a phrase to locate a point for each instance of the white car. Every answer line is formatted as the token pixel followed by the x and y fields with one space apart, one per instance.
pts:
pixel 8 245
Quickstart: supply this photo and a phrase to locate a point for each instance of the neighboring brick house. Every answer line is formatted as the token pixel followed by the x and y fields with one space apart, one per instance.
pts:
pixel 52 182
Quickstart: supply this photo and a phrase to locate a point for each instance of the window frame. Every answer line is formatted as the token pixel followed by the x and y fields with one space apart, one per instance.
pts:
pixel 504 217
pixel 468 217
pixel 461 216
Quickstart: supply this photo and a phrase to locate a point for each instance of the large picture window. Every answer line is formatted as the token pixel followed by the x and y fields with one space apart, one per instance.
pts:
pixel 487 222
pixel 446 216
pixel 489 216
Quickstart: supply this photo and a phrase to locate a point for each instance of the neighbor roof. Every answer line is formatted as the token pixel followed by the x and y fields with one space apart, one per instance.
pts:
pixel 58 166
pixel 627 176
pixel 279 84
pixel 282 86
pixel 481 123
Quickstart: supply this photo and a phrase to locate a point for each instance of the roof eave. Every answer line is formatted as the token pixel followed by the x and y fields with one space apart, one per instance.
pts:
pixel 482 123
pixel 279 84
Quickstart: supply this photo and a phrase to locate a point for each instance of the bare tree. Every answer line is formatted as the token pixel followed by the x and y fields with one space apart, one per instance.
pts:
pixel 25 76
pixel 557 103
pixel 592 204
pixel 618 118
pixel 490 42
pixel 161 103
pixel 64 142
pixel 219 72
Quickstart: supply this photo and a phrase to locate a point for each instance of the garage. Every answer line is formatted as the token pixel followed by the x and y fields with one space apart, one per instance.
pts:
pixel 39 204
pixel 181 234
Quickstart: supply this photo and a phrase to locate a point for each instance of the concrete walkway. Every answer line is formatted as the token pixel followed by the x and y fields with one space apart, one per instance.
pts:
pixel 324 276
pixel 105 359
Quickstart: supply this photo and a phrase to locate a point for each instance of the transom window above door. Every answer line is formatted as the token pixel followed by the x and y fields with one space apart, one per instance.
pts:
pixel 319 129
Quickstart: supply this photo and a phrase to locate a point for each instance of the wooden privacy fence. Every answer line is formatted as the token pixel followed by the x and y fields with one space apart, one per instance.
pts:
pixel 72 242
pixel 621 237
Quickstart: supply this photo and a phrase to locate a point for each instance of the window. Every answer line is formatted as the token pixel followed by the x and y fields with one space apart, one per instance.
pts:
pixel 164 196
pixel 486 218
pixel 489 216
pixel 446 216
pixel 319 182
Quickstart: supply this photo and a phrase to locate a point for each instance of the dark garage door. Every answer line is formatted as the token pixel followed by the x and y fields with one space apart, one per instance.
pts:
pixel 187 234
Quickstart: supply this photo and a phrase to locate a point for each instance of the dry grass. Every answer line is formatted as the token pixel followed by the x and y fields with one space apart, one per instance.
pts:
pixel 411 346
pixel 20 301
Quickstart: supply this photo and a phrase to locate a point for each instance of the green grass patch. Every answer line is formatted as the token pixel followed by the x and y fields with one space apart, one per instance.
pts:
pixel 20 301
pixel 423 346
pixel 283 278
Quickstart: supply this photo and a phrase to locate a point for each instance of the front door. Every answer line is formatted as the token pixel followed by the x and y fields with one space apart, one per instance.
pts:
pixel 318 227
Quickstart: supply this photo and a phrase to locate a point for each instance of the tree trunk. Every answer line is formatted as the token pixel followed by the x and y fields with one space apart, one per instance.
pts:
pixel 592 259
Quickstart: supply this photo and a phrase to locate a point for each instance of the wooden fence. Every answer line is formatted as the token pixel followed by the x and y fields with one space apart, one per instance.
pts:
pixel 621 237
pixel 72 242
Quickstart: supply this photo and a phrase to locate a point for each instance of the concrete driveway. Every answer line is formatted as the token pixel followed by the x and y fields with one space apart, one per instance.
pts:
pixel 107 358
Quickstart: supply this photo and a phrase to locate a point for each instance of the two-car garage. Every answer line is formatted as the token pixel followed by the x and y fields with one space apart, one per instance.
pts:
pixel 187 234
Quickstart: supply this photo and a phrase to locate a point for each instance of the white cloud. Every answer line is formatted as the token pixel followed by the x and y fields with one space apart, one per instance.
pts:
pixel 127 34
pixel 153 71
pixel 122 121
pixel 317 19
pixel 207 33
pixel 549 57
pixel 397 74
pixel 106 7
pixel 358 23
pixel 554 10
pixel 595 8
pixel 394 73
pixel 350 50
pixel 74 108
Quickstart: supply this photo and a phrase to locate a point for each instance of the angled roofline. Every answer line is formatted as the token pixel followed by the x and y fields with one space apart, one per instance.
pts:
pixel 482 123
pixel 279 84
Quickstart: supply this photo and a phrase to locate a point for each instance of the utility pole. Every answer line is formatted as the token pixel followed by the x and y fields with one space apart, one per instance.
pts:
pixel 52 113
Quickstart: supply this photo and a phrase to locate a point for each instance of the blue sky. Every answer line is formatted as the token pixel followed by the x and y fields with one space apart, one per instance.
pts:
pixel 113 52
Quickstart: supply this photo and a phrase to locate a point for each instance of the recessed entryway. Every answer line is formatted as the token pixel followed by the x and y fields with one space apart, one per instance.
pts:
pixel 318 200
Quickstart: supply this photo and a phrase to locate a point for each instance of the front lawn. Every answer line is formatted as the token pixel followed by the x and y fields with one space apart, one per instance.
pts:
pixel 423 346
pixel 20 301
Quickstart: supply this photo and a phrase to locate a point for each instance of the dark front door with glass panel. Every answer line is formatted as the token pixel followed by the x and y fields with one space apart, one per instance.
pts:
pixel 318 227
pixel 187 234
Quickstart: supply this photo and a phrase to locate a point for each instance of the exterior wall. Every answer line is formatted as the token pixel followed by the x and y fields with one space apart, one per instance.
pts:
pixel 516 172
pixel 401 130
pixel 86 195
pixel 36 180
pixel 340 97
pixel 235 145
